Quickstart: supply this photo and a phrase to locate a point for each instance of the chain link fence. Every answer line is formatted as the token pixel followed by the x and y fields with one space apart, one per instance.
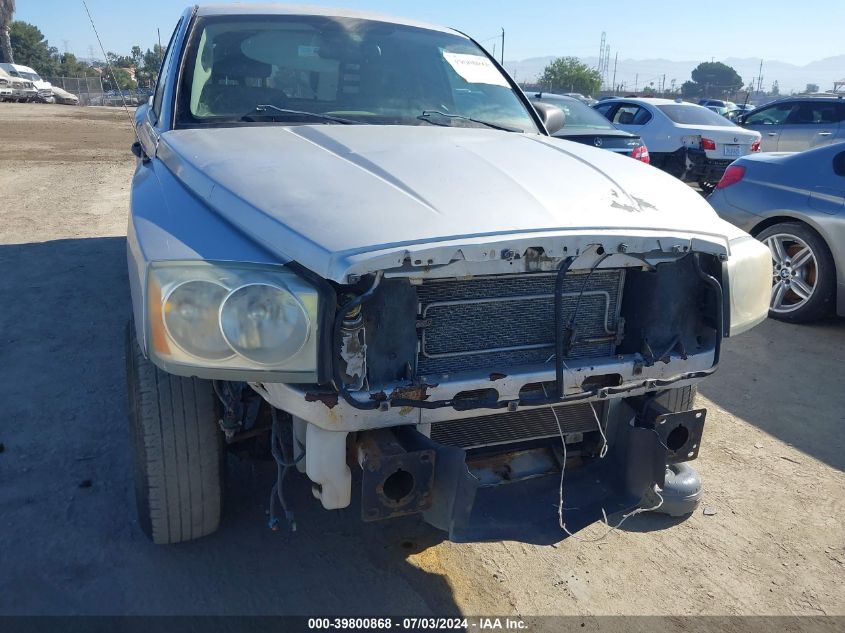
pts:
pixel 88 89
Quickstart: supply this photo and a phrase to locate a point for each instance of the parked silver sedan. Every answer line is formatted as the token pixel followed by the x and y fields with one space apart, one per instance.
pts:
pixel 795 204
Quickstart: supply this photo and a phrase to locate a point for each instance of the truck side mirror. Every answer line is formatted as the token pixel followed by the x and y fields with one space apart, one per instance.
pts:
pixel 138 151
pixel 553 118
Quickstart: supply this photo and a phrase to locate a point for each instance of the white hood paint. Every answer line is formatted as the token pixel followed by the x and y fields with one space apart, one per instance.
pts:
pixel 341 199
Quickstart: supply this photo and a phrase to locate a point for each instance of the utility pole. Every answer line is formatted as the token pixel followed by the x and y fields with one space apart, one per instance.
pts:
pixel 637 82
pixel 615 61
pixel 760 77
pixel 601 52
pixel 503 46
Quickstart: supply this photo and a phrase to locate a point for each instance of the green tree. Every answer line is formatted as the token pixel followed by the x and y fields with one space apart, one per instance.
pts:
pixel 691 90
pixel 148 65
pixel 714 78
pixel 7 10
pixel 812 88
pixel 121 75
pixel 69 66
pixel 569 74
pixel 31 49
pixel 120 61
pixel 137 56
pixel 775 91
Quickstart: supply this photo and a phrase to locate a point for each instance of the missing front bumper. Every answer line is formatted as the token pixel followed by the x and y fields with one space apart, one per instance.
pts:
pixel 454 496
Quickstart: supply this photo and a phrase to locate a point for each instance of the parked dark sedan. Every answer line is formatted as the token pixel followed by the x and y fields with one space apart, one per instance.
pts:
pixel 795 204
pixel 585 125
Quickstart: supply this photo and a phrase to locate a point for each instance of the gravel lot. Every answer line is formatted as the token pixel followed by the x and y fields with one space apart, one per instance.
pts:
pixel 772 459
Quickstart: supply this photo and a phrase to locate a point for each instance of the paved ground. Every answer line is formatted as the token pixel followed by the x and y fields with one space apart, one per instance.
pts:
pixel 772 459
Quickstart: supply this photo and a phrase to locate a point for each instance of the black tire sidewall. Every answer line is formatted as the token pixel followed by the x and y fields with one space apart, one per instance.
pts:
pixel 139 453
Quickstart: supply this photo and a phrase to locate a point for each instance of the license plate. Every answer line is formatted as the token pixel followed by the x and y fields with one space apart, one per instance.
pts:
pixel 733 150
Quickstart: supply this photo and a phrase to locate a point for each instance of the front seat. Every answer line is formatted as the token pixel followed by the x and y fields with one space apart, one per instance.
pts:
pixel 238 84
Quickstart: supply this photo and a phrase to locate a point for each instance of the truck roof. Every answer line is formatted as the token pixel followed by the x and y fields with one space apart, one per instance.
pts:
pixel 303 9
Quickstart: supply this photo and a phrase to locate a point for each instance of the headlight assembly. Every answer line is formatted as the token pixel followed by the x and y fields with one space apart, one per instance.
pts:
pixel 190 313
pixel 232 321
pixel 749 283
pixel 265 324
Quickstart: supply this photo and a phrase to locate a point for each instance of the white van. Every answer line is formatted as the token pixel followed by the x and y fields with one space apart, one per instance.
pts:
pixel 44 88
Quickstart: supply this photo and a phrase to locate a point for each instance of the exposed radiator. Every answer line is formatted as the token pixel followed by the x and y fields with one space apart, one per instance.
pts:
pixel 517 426
pixel 498 322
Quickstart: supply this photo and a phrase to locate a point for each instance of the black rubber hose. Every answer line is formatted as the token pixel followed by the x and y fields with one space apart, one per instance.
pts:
pixel 559 340
pixel 720 313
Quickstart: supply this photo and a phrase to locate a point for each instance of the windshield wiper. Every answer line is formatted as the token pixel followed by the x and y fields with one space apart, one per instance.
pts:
pixel 426 116
pixel 262 110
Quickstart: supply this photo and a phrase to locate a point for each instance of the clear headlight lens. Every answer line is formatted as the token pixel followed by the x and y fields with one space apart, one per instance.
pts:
pixel 190 317
pixel 232 321
pixel 749 283
pixel 264 323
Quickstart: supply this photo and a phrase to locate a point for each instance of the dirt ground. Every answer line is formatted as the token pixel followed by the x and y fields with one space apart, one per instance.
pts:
pixel 772 461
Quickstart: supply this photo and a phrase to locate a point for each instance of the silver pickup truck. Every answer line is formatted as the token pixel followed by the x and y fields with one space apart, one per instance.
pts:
pixel 354 237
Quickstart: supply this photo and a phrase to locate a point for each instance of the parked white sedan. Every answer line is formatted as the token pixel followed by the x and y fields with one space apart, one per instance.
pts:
pixel 686 140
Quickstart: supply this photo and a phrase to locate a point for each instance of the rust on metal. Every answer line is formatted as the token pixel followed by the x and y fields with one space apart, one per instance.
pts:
pixel 328 399
pixel 416 391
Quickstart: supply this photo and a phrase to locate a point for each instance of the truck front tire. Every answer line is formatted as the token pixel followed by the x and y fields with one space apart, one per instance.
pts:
pixel 177 448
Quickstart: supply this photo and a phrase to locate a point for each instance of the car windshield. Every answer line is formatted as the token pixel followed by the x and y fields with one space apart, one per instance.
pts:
pixel 247 68
pixel 693 115
pixel 30 76
pixel 578 115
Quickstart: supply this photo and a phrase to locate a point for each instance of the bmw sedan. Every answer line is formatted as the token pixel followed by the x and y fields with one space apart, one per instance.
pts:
pixel 687 140
pixel 795 204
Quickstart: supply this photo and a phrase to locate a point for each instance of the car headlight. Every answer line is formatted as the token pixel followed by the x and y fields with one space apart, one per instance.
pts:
pixel 265 324
pixel 232 321
pixel 749 283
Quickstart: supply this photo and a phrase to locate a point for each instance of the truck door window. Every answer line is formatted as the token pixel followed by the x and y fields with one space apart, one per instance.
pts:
pixel 162 74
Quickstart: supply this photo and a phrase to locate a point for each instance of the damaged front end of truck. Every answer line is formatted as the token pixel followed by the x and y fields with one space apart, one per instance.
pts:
pixel 466 391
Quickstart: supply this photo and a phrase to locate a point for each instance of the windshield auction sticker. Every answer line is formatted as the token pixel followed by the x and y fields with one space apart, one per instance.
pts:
pixel 475 69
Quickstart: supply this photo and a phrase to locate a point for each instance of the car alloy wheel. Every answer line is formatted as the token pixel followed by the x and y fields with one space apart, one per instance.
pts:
pixel 794 272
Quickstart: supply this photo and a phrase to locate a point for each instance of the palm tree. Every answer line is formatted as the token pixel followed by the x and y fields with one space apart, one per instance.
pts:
pixel 7 10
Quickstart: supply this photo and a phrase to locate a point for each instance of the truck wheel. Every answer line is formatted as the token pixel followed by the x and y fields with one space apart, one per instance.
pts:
pixel 803 273
pixel 177 448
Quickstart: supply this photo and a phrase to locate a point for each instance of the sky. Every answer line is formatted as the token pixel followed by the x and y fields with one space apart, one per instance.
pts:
pixel 771 29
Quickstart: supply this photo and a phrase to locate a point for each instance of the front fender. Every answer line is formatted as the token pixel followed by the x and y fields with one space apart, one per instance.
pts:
pixel 167 223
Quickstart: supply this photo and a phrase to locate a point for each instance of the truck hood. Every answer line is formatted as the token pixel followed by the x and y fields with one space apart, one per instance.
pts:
pixel 351 199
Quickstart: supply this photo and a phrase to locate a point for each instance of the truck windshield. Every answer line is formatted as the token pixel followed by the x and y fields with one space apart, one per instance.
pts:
pixel 358 70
